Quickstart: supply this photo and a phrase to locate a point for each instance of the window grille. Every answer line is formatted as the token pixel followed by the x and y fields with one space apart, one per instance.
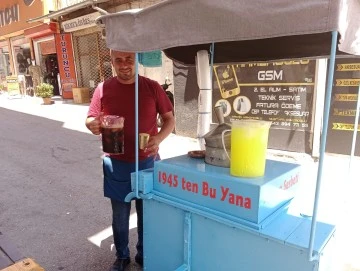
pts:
pixel 92 58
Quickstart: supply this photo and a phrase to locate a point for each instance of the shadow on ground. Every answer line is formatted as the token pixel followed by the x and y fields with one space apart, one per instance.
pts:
pixel 52 194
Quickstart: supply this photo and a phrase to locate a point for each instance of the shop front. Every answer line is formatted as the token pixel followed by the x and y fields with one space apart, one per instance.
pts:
pixel 44 58
pixel 92 57
pixel 16 41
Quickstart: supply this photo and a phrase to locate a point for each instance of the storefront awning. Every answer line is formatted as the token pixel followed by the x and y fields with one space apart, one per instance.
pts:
pixel 67 10
pixel 42 30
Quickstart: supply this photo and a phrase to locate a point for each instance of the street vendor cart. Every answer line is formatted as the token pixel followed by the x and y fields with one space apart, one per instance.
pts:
pixel 196 215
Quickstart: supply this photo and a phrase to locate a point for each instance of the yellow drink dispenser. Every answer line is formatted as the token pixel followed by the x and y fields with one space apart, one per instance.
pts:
pixel 249 139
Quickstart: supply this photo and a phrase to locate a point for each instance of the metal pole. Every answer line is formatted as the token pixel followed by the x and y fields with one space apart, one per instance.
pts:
pixel 137 125
pixel 356 125
pixel 212 48
pixel 323 141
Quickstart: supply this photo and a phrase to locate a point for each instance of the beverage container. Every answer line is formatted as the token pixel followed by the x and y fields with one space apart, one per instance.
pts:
pixel 249 139
pixel 143 140
pixel 112 131
pixel 214 152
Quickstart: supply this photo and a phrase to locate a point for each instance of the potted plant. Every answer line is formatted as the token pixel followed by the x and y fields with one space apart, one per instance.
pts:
pixel 45 91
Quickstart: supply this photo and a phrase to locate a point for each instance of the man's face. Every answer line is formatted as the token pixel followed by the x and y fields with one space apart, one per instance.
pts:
pixel 124 65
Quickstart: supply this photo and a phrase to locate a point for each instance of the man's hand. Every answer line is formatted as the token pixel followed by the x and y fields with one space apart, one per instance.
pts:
pixel 152 147
pixel 94 125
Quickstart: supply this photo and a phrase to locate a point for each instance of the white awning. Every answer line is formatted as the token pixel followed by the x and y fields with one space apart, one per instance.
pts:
pixel 242 30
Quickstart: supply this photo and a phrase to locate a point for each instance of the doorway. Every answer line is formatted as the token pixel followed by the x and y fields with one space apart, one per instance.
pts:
pixel 46 58
pixel 51 71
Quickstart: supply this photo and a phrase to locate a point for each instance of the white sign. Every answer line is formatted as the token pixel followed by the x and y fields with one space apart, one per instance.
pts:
pixel 68 3
pixel 80 22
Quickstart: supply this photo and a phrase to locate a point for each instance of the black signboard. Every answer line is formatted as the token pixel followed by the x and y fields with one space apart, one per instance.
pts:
pixel 343 107
pixel 281 92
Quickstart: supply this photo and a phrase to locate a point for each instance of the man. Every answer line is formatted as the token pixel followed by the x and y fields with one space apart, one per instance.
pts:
pixel 116 96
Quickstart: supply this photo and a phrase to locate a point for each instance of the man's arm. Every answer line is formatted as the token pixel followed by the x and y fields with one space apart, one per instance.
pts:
pixel 167 127
pixel 92 121
pixel 93 124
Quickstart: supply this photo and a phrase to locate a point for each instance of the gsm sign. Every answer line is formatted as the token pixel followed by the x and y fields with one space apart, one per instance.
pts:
pixel 28 2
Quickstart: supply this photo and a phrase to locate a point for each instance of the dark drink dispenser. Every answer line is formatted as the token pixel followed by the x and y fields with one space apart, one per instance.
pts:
pixel 112 130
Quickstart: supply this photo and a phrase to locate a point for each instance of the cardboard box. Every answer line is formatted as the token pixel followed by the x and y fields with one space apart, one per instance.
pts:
pixel 81 95
pixel 27 264
pixel 12 260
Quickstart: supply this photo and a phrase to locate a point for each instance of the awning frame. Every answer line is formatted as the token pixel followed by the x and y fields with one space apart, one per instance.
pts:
pixel 67 10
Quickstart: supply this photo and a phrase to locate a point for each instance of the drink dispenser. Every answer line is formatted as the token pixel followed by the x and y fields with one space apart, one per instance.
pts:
pixel 214 151
pixel 249 139
pixel 112 133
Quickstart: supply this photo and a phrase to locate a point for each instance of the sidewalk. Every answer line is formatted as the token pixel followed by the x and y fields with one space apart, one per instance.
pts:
pixel 73 116
pixel 62 110
pixel 339 198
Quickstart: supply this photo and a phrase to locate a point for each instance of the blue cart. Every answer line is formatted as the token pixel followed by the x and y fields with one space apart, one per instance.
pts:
pixel 197 216
pixel 204 219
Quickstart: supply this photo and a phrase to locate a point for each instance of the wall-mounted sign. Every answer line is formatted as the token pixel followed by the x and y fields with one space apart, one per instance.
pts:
pixel 65 56
pixel 281 92
pixel 15 13
pixel 9 15
pixel 80 22
pixel 343 107
pixel 48 47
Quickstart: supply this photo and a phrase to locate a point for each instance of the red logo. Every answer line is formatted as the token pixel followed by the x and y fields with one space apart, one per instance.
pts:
pixel 289 183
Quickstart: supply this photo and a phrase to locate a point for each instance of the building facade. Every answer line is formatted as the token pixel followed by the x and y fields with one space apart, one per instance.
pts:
pixel 20 41
pixel 59 37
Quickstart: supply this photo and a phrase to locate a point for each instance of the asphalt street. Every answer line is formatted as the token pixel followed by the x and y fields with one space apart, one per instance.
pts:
pixel 52 205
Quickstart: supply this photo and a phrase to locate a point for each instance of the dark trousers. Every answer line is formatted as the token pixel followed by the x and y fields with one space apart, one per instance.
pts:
pixel 120 225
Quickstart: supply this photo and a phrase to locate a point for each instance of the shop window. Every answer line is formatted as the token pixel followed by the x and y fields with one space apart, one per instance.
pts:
pixel 4 63
pixel 21 55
